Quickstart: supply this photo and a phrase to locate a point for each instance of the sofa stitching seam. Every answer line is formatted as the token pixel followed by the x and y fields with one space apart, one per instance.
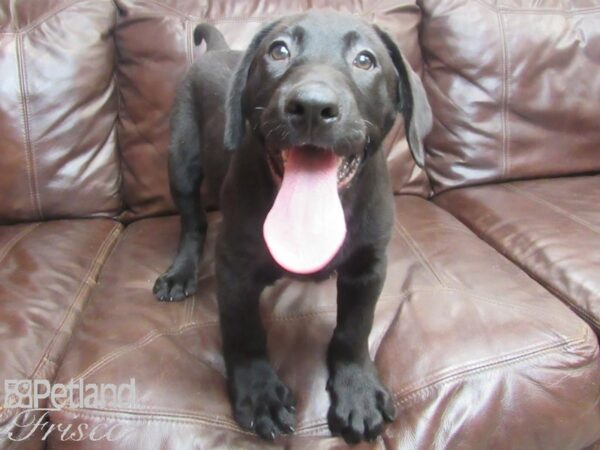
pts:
pixel 195 18
pixel 565 298
pixel 157 333
pixel 44 358
pixel 31 144
pixel 14 23
pixel 229 19
pixel 491 300
pixel 181 328
pixel 594 320
pixel 550 12
pixel 561 296
pixel 5 250
pixel 594 229
pixel 498 246
pixel 26 131
pixel 506 361
pixel 504 102
pixel 479 366
pixel 44 18
pixel 218 421
pixel 407 400
pixel 507 71
pixel 204 419
pixel 146 339
pixel 93 268
pixel 529 11
pixel 371 12
pixel 417 251
pixel 403 294
pixel 115 124
pixel 483 364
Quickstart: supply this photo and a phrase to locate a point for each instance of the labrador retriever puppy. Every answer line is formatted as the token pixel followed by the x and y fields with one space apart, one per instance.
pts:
pixel 291 131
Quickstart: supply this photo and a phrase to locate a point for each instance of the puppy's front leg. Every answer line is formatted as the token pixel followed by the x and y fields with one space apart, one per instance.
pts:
pixel 260 401
pixel 185 177
pixel 360 403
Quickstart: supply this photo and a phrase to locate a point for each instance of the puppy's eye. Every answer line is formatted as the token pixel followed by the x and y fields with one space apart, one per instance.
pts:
pixel 364 61
pixel 279 51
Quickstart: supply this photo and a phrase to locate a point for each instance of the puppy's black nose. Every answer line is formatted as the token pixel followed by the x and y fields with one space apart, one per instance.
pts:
pixel 312 104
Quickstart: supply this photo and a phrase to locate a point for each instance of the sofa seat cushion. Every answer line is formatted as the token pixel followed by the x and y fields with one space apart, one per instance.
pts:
pixel 476 353
pixel 549 227
pixel 46 273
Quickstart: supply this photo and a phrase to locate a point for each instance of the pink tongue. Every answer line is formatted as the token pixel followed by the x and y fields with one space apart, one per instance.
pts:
pixel 305 227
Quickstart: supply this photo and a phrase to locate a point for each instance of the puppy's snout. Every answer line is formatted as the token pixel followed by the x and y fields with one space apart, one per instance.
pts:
pixel 312 104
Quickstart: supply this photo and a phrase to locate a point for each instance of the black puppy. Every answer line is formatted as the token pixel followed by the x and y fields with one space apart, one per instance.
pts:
pixel 310 101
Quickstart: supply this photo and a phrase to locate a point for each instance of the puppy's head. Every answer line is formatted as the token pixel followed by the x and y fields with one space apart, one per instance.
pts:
pixel 324 82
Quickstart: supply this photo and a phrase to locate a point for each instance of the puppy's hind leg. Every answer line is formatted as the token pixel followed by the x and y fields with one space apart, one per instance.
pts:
pixel 185 177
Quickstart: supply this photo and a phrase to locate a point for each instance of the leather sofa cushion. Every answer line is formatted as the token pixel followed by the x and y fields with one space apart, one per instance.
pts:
pixel 549 227
pixel 155 48
pixel 511 88
pixel 474 351
pixel 58 107
pixel 47 271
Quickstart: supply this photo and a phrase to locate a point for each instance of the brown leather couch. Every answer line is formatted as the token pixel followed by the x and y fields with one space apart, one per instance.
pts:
pixel 487 329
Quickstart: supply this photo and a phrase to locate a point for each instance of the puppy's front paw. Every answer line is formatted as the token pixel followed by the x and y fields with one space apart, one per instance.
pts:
pixel 175 285
pixel 261 402
pixel 360 404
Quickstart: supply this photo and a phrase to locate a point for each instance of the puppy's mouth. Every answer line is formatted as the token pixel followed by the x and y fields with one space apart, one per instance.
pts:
pixel 306 225
pixel 314 157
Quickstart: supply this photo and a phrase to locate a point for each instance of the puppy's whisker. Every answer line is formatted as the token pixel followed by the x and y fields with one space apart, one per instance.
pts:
pixel 273 130
pixel 368 122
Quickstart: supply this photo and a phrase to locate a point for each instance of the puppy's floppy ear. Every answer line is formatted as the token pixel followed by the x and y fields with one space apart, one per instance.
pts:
pixel 412 103
pixel 235 121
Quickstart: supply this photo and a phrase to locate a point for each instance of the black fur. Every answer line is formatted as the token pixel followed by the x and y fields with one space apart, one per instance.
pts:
pixel 213 38
pixel 235 124
pixel 412 101
pixel 255 87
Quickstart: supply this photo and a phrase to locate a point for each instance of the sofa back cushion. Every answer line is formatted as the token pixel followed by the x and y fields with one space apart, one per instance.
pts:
pixel 58 105
pixel 155 48
pixel 514 88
